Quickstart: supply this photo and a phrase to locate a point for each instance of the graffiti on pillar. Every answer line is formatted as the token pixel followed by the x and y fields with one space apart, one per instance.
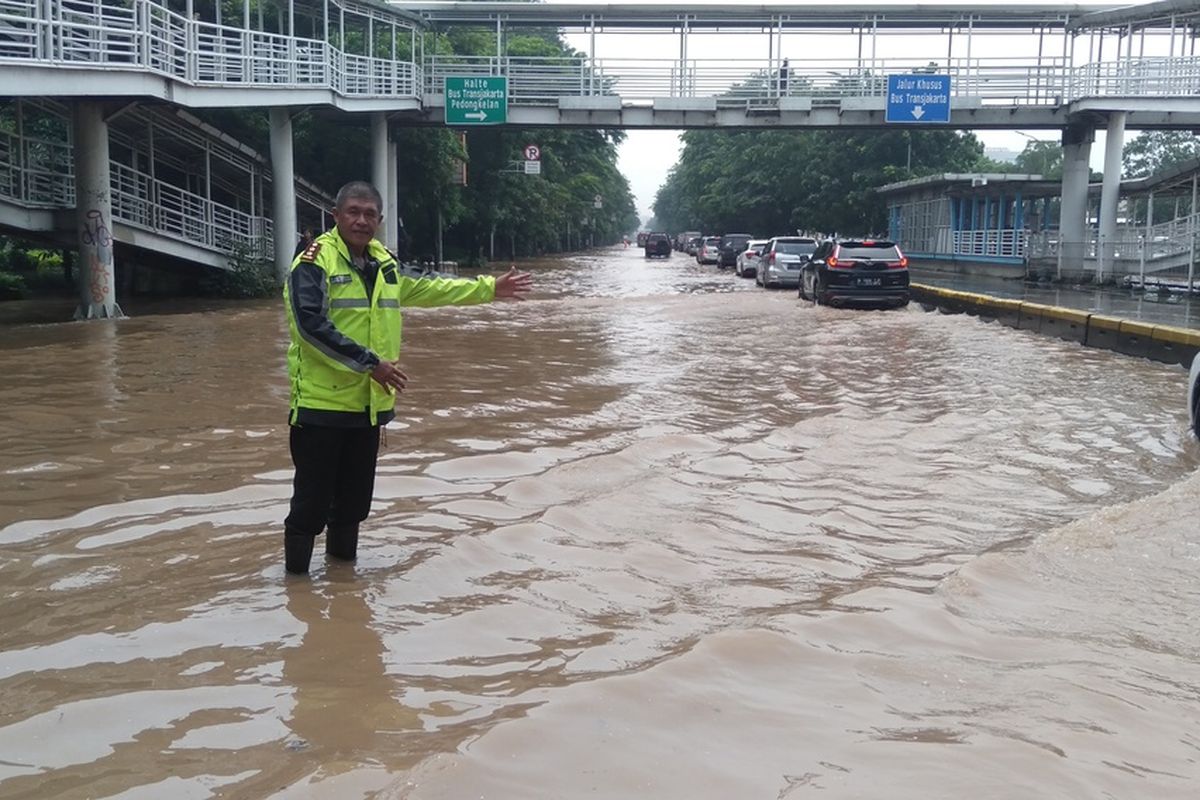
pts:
pixel 99 283
pixel 96 234
pixel 95 230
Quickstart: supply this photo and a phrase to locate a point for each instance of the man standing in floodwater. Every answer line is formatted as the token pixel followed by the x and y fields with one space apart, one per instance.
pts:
pixel 343 298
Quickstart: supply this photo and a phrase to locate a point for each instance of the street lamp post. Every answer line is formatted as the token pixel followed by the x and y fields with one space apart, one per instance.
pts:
pixel 1040 152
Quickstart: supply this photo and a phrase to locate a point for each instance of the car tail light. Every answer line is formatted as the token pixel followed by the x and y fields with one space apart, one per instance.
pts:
pixel 901 264
pixel 771 257
pixel 831 262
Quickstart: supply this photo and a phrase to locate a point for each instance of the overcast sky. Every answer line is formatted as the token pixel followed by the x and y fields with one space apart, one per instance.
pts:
pixel 647 156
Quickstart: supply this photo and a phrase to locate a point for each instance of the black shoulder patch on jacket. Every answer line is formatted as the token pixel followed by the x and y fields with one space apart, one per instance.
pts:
pixel 310 252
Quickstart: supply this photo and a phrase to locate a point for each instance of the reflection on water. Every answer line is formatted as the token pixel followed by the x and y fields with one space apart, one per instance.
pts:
pixel 1163 308
pixel 654 533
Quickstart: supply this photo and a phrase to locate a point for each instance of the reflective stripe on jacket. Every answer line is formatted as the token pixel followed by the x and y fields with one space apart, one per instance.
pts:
pixel 339 333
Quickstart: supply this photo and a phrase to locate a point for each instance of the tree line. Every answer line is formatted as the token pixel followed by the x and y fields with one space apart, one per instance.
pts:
pixel 776 181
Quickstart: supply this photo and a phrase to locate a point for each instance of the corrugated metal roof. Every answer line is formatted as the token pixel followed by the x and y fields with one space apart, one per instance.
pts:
pixel 612 16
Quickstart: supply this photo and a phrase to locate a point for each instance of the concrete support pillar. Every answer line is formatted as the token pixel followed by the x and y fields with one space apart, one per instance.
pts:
pixel 1110 193
pixel 391 201
pixel 379 170
pixel 1072 223
pixel 283 191
pixel 93 214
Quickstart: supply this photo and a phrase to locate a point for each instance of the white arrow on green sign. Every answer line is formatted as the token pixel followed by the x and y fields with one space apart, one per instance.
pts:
pixel 476 101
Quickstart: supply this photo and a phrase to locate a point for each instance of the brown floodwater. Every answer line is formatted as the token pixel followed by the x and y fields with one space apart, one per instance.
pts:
pixel 654 533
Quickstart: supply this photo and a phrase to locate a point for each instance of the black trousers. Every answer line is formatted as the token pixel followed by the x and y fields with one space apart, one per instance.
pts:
pixel 335 478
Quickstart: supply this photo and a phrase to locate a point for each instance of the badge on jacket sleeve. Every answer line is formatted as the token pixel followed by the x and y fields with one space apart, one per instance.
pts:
pixel 310 252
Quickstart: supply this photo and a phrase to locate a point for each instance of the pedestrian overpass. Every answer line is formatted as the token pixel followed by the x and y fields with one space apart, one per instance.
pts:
pixel 1048 65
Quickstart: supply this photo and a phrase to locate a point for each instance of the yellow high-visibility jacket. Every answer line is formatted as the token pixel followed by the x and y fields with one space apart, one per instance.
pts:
pixel 341 330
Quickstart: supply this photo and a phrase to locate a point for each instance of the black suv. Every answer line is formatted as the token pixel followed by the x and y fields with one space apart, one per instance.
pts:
pixel 856 271
pixel 658 244
pixel 732 245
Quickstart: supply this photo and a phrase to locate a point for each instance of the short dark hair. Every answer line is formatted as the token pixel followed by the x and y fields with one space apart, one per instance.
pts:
pixel 358 190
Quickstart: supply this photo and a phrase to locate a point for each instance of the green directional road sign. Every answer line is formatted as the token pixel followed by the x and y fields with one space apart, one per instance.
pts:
pixel 476 101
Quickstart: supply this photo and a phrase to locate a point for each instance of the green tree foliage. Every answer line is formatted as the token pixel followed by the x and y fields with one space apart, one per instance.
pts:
pixel 534 214
pixel 27 268
pixel 1041 158
pixel 1155 151
pixel 774 182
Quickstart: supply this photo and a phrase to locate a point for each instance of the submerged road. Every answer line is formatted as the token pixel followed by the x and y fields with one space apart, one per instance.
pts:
pixel 654 533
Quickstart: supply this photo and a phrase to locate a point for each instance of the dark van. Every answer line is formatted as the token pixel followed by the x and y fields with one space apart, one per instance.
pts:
pixel 731 245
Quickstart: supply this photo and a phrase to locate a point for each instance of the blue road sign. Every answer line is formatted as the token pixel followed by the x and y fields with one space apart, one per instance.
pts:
pixel 918 98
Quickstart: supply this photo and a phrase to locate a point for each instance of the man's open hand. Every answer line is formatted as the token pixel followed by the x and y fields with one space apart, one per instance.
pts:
pixel 387 374
pixel 513 284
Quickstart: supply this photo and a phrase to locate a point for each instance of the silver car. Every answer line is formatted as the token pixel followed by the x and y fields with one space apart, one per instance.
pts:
pixel 1194 394
pixel 709 251
pixel 747 260
pixel 781 260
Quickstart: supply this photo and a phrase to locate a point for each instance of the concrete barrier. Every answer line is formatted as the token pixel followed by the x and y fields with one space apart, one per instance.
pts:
pixel 1178 345
pixel 1103 332
pixel 1005 311
pixel 1065 323
pixel 1030 316
pixel 1166 343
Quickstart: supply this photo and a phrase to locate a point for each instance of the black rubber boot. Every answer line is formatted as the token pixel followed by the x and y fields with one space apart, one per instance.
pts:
pixel 342 543
pixel 297 553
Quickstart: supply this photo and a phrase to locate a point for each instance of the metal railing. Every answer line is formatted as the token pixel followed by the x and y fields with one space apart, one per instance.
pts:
pixel 145 35
pixel 1140 77
pixel 533 80
pixel 1168 252
pixel 993 81
pixel 1003 243
pixel 36 172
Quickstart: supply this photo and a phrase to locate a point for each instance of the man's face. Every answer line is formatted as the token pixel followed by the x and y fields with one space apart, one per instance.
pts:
pixel 357 220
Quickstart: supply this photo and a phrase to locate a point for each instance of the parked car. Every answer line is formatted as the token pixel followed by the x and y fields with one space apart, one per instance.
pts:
pixel 681 241
pixel 1194 394
pixel 658 245
pixel 694 244
pixel 641 238
pixel 747 260
pixel 709 252
pixel 856 272
pixel 731 245
pixel 781 260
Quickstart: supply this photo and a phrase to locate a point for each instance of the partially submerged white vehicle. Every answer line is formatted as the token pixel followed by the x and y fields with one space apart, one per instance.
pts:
pixel 1194 395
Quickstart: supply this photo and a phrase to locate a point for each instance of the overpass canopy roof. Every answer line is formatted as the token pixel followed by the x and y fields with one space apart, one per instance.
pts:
pixel 977 184
pixel 612 16
pixel 1175 181
pixel 1155 14
pixel 1171 182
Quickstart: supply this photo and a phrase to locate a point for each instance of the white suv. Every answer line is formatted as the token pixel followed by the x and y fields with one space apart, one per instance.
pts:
pixel 747 260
